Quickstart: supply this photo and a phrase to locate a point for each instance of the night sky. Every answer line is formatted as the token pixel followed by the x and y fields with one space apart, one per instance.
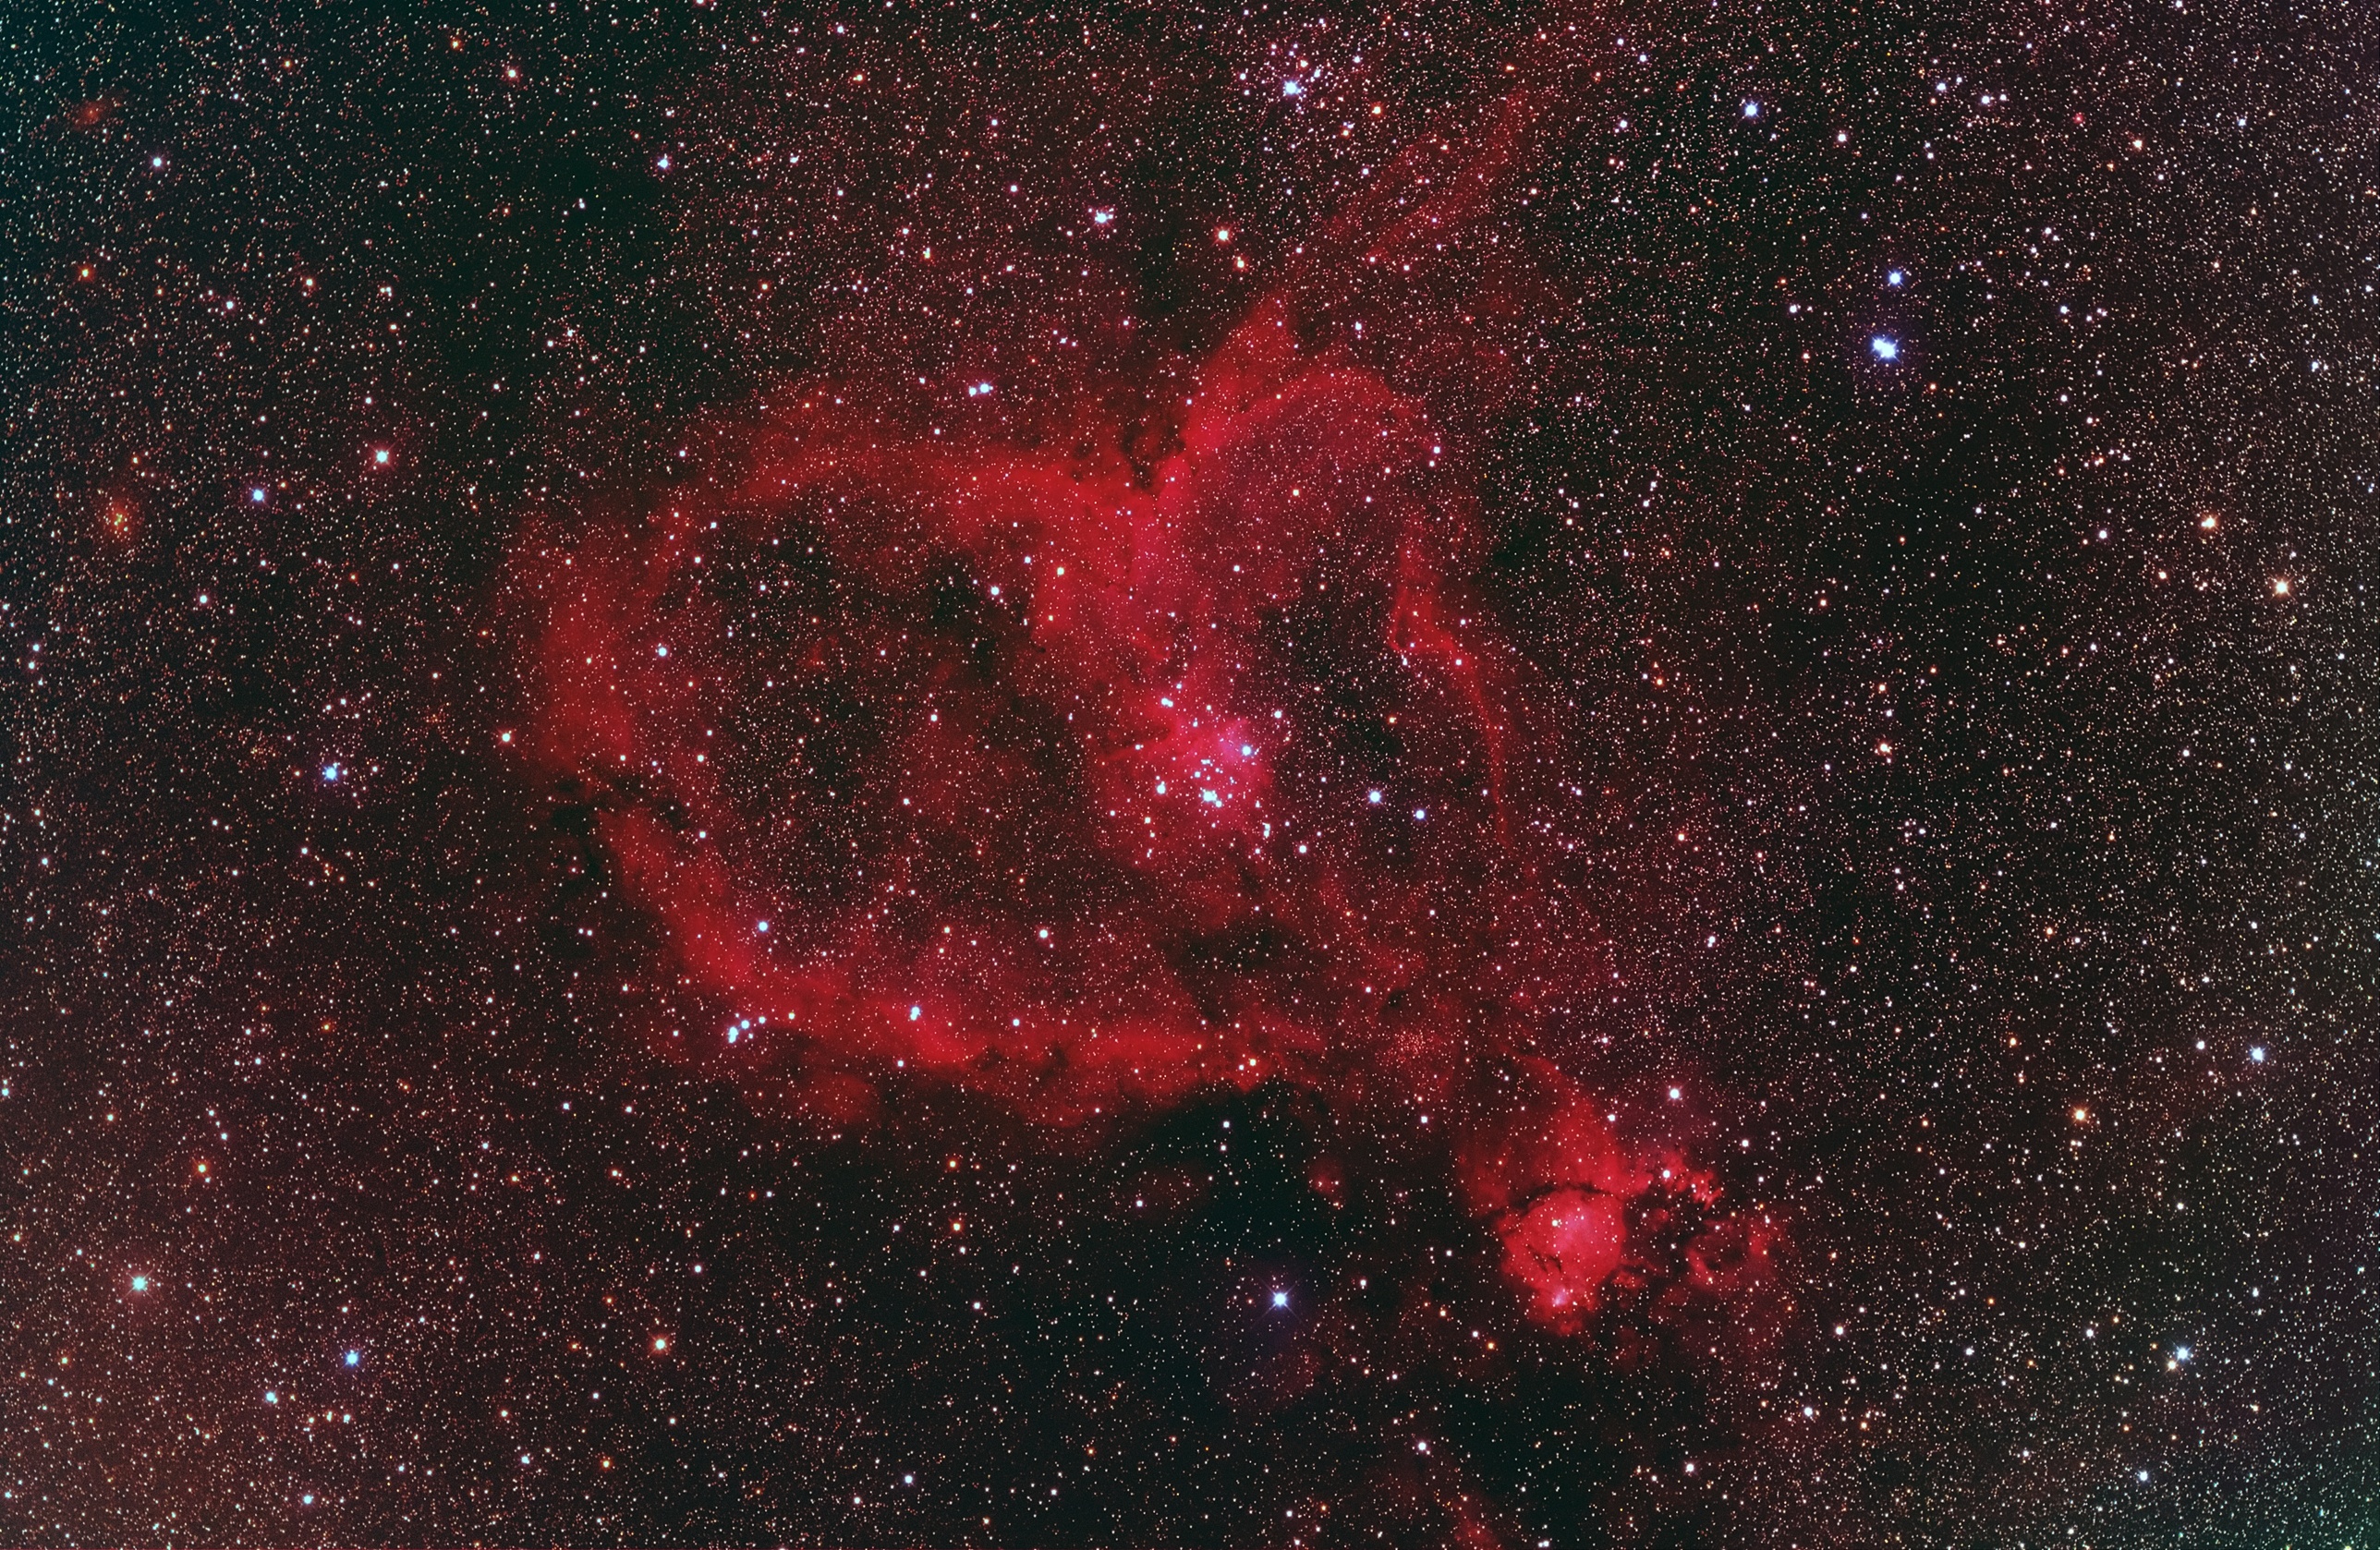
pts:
pixel 899 774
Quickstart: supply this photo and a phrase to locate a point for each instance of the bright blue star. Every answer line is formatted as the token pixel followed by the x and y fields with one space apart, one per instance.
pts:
pixel 331 772
pixel 1280 1299
pixel 354 1359
pixel 1883 349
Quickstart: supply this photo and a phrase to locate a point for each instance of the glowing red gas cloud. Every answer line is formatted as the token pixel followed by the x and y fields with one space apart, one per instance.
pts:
pixel 1089 777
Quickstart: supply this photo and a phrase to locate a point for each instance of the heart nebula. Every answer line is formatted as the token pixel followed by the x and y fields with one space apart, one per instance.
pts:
pixel 1092 765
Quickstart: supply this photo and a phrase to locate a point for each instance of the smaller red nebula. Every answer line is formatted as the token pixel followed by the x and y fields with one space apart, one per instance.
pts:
pixel 1575 1206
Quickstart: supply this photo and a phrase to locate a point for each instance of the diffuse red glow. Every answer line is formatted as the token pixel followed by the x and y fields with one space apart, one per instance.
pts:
pixel 1102 778
pixel 1089 780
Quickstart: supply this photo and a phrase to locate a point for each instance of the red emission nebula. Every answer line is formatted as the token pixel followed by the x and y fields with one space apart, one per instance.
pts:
pixel 1089 768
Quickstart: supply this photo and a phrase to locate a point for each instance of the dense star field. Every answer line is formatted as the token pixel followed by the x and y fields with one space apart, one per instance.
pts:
pixel 908 774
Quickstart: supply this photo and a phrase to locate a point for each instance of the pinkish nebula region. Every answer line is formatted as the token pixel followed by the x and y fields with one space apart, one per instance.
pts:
pixel 1177 774
pixel 1033 764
